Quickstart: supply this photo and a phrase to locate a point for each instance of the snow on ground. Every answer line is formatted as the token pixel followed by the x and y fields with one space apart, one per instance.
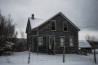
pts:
pixel 21 58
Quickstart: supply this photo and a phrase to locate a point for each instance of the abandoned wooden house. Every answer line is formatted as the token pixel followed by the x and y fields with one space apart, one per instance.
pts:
pixel 52 35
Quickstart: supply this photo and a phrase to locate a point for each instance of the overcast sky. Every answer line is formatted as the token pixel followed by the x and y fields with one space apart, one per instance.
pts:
pixel 82 13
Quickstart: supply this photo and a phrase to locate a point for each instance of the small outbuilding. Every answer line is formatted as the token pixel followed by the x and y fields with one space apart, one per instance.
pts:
pixel 84 46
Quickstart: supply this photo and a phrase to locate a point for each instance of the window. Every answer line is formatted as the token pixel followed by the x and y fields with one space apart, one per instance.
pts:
pixel 71 41
pixel 53 25
pixel 40 41
pixel 65 28
pixel 61 41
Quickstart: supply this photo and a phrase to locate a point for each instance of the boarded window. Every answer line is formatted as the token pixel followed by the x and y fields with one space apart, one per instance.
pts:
pixel 61 41
pixel 65 28
pixel 71 40
pixel 40 41
pixel 53 25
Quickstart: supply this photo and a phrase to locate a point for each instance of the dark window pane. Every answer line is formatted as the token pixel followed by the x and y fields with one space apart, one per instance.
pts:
pixel 53 25
pixel 65 27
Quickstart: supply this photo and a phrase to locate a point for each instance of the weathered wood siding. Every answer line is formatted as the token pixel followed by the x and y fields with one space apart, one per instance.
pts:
pixel 45 30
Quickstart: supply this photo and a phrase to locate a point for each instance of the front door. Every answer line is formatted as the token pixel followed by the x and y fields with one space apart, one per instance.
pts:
pixel 51 44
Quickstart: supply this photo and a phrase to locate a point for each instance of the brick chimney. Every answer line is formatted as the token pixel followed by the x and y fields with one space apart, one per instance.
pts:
pixel 32 16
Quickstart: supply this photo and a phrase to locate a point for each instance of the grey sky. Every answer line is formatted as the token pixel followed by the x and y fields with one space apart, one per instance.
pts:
pixel 83 13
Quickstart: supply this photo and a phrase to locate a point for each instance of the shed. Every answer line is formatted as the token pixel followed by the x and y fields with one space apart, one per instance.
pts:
pixel 84 46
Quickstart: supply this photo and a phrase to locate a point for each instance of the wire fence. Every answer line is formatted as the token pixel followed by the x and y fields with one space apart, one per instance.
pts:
pixel 46 58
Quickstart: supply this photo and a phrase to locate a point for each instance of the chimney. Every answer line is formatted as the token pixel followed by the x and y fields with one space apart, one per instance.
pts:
pixel 32 16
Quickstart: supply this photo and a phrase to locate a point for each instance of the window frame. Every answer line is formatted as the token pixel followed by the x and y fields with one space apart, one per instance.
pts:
pixel 40 41
pixel 51 25
pixel 72 37
pixel 63 41
pixel 64 26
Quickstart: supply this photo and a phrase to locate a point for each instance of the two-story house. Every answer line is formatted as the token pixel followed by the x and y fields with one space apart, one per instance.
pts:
pixel 52 35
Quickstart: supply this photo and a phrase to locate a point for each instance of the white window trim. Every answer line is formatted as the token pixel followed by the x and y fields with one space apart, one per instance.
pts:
pixel 60 41
pixel 51 25
pixel 73 41
pixel 66 26
pixel 42 41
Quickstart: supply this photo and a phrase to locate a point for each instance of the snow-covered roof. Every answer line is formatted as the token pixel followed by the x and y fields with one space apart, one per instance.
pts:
pixel 83 44
pixel 36 22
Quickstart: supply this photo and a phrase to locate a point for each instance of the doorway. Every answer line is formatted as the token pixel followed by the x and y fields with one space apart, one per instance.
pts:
pixel 51 44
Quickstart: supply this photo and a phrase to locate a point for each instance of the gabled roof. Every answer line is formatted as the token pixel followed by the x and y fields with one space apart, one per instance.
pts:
pixel 35 23
pixel 69 20
pixel 28 28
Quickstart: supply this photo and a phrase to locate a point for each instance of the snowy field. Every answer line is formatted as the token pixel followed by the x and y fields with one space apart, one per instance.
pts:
pixel 21 58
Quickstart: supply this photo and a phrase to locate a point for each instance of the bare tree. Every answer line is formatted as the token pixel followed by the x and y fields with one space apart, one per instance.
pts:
pixel 92 41
pixel 23 39
pixel 7 28
pixel 22 36
pixel 7 32
pixel 15 34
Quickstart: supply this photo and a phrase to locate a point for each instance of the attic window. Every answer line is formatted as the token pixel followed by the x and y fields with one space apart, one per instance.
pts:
pixel 65 28
pixel 53 25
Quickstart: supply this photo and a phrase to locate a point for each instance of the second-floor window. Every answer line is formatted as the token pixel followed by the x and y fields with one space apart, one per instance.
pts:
pixel 53 25
pixel 65 28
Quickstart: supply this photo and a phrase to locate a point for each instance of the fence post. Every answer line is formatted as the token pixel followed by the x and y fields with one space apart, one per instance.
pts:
pixel 37 49
pixel 94 56
pixel 64 54
pixel 29 54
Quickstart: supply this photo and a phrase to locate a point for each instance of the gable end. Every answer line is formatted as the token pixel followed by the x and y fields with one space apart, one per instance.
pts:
pixel 64 17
